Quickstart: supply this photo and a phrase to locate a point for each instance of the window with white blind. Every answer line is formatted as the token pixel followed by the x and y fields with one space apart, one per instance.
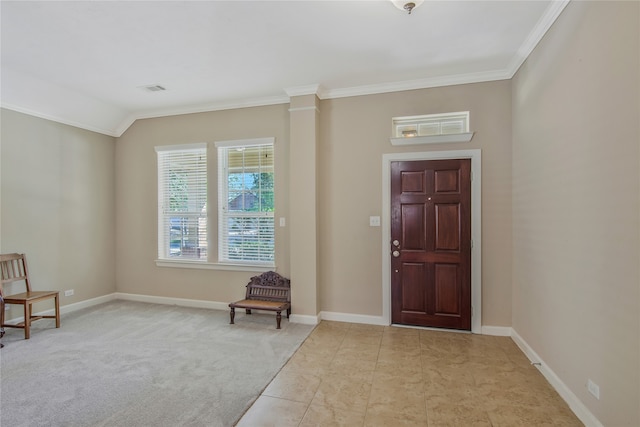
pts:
pixel 246 201
pixel 182 202
pixel 431 129
pixel 431 124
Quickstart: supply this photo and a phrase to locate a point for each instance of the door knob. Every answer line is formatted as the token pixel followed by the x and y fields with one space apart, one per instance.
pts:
pixel 395 254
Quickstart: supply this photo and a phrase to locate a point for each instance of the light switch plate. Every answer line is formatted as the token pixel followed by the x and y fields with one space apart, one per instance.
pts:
pixel 374 221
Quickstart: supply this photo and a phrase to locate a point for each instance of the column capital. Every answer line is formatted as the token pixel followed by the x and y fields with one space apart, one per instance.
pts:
pixel 313 89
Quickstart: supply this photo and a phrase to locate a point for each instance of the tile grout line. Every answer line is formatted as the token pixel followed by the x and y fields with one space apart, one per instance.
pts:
pixel 321 380
pixel 373 374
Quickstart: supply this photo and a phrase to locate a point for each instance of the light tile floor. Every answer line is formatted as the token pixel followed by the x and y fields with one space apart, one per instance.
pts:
pixel 361 375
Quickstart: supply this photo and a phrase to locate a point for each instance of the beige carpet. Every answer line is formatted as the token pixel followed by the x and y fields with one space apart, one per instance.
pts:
pixel 134 364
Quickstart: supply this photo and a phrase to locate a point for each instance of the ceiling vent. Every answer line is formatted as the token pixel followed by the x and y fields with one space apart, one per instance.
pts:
pixel 153 88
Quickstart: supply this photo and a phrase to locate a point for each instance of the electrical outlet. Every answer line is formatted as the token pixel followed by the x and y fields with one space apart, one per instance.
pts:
pixel 68 292
pixel 594 389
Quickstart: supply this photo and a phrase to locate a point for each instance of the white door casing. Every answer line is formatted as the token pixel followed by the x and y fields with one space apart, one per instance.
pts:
pixel 476 227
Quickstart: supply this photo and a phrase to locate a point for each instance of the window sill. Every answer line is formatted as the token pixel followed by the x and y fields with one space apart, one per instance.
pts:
pixel 432 139
pixel 214 265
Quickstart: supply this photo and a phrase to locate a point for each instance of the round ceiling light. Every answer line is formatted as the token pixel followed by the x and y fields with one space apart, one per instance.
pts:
pixel 407 6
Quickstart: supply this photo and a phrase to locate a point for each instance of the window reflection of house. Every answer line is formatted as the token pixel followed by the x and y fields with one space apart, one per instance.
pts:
pixel 245 202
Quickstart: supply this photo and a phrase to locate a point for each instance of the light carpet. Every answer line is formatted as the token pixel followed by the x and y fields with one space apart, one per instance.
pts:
pixel 128 363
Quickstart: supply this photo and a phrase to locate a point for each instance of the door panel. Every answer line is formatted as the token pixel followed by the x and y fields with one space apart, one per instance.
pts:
pixel 413 297
pixel 447 181
pixel 413 232
pixel 413 182
pixel 447 293
pixel 431 220
pixel 448 219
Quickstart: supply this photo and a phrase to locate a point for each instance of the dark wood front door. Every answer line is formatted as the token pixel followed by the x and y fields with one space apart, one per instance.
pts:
pixel 431 243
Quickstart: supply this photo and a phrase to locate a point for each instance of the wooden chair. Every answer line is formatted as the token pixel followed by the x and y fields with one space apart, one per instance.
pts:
pixel 1 316
pixel 14 269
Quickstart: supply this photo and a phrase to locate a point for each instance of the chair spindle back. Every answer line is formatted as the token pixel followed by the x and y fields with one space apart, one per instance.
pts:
pixel 13 268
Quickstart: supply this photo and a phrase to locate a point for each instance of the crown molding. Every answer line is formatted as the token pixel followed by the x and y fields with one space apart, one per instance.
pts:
pixel 59 119
pixel 203 108
pixel 426 83
pixel 215 106
pixel 312 89
pixel 552 13
pixel 554 10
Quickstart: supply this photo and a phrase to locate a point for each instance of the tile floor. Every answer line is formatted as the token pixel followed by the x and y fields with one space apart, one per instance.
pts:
pixel 361 375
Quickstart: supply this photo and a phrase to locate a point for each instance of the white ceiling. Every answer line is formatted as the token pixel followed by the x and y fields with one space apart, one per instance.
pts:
pixel 83 62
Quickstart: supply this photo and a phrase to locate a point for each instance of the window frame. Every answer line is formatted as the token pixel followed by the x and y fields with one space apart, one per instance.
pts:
pixel 223 191
pixel 164 251
pixel 431 129
pixel 209 263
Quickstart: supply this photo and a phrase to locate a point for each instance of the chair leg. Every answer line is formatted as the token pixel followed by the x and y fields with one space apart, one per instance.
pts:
pixel 1 319
pixel 27 321
pixel 278 319
pixel 1 316
pixel 57 311
pixel 288 312
pixel 232 314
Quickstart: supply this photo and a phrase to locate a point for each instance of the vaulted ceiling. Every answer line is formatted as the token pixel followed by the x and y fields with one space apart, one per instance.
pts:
pixel 88 63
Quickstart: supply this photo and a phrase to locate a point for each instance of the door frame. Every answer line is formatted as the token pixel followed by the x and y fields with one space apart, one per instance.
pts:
pixel 476 226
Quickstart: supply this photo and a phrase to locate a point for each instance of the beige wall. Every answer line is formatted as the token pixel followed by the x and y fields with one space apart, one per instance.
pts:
pixel 576 206
pixel 303 210
pixel 560 200
pixel 137 200
pixel 58 205
pixel 354 135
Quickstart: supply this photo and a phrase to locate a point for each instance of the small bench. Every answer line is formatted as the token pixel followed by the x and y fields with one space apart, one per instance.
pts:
pixel 268 291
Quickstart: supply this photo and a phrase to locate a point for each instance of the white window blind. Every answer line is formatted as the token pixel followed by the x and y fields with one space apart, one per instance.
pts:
pixel 431 124
pixel 246 201
pixel 182 202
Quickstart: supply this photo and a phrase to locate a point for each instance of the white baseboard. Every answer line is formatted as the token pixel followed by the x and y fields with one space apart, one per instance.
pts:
pixel 183 302
pixel 353 318
pixel 501 331
pixel 65 308
pixel 305 319
pixel 497 331
pixel 214 305
pixel 572 400
pixel 85 304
